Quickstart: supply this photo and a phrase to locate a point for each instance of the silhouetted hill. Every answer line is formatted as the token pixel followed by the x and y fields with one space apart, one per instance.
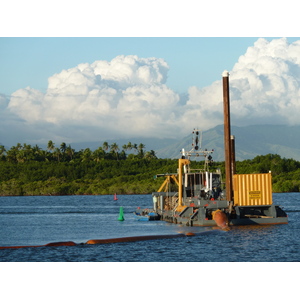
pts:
pixel 250 141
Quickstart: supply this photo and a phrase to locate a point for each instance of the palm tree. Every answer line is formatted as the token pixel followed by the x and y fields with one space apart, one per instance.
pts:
pixel 140 150
pixel 51 146
pixel 28 152
pixel 36 148
pixel 21 156
pixel 115 148
pixel 2 151
pixel 86 154
pixel 57 153
pixel 38 153
pixel 99 154
pixel 63 147
pixel 150 154
pixel 12 154
pixel 141 147
pixel 70 152
pixel 129 146
pixel 135 147
pixel 105 146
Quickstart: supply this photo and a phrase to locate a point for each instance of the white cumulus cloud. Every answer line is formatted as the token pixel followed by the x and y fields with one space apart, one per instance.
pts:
pixel 266 83
pixel 126 96
pixel 264 88
pixel 129 96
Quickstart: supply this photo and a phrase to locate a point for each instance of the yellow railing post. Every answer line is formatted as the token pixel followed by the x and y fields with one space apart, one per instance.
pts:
pixel 181 163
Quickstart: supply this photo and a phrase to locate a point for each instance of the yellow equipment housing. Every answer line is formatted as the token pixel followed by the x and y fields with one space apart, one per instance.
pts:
pixel 252 189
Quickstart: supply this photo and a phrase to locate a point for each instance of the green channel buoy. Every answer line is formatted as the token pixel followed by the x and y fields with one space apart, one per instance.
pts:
pixel 121 215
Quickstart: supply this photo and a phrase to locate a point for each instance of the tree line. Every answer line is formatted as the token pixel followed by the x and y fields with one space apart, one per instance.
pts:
pixel 63 153
pixel 26 170
pixel 285 171
pixel 30 170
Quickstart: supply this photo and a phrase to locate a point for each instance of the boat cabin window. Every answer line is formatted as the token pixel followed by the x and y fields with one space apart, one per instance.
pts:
pixel 195 183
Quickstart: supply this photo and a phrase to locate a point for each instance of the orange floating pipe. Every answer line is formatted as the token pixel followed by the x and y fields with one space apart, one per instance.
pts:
pixel 17 247
pixel 190 234
pixel 133 239
pixel 108 241
pixel 55 244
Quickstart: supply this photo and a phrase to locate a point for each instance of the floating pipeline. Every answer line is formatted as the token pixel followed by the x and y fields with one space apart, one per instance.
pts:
pixel 55 244
pixel 220 223
pixel 109 241
pixel 134 239
pixel 60 244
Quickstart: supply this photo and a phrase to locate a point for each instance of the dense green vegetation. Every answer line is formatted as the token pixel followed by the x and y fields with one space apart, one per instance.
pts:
pixel 27 170
pixel 285 171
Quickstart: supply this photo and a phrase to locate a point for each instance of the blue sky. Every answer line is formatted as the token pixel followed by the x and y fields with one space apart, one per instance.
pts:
pixel 192 61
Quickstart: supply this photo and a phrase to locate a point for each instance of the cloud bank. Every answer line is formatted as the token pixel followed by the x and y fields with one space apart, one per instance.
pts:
pixel 129 97
pixel 264 87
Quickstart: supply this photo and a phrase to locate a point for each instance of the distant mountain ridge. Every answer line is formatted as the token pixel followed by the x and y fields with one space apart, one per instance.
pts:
pixel 250 141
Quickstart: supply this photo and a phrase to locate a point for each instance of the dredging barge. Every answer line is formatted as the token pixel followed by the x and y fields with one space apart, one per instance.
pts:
pixel 197 198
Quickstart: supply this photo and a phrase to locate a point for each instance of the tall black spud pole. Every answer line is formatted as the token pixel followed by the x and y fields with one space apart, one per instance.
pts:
pixel 227 135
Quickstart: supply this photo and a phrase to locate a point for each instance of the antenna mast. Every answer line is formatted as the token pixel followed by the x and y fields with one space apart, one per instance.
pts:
pixel 196 150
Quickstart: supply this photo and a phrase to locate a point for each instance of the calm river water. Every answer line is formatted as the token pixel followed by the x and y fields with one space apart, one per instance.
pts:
pixel 41 220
